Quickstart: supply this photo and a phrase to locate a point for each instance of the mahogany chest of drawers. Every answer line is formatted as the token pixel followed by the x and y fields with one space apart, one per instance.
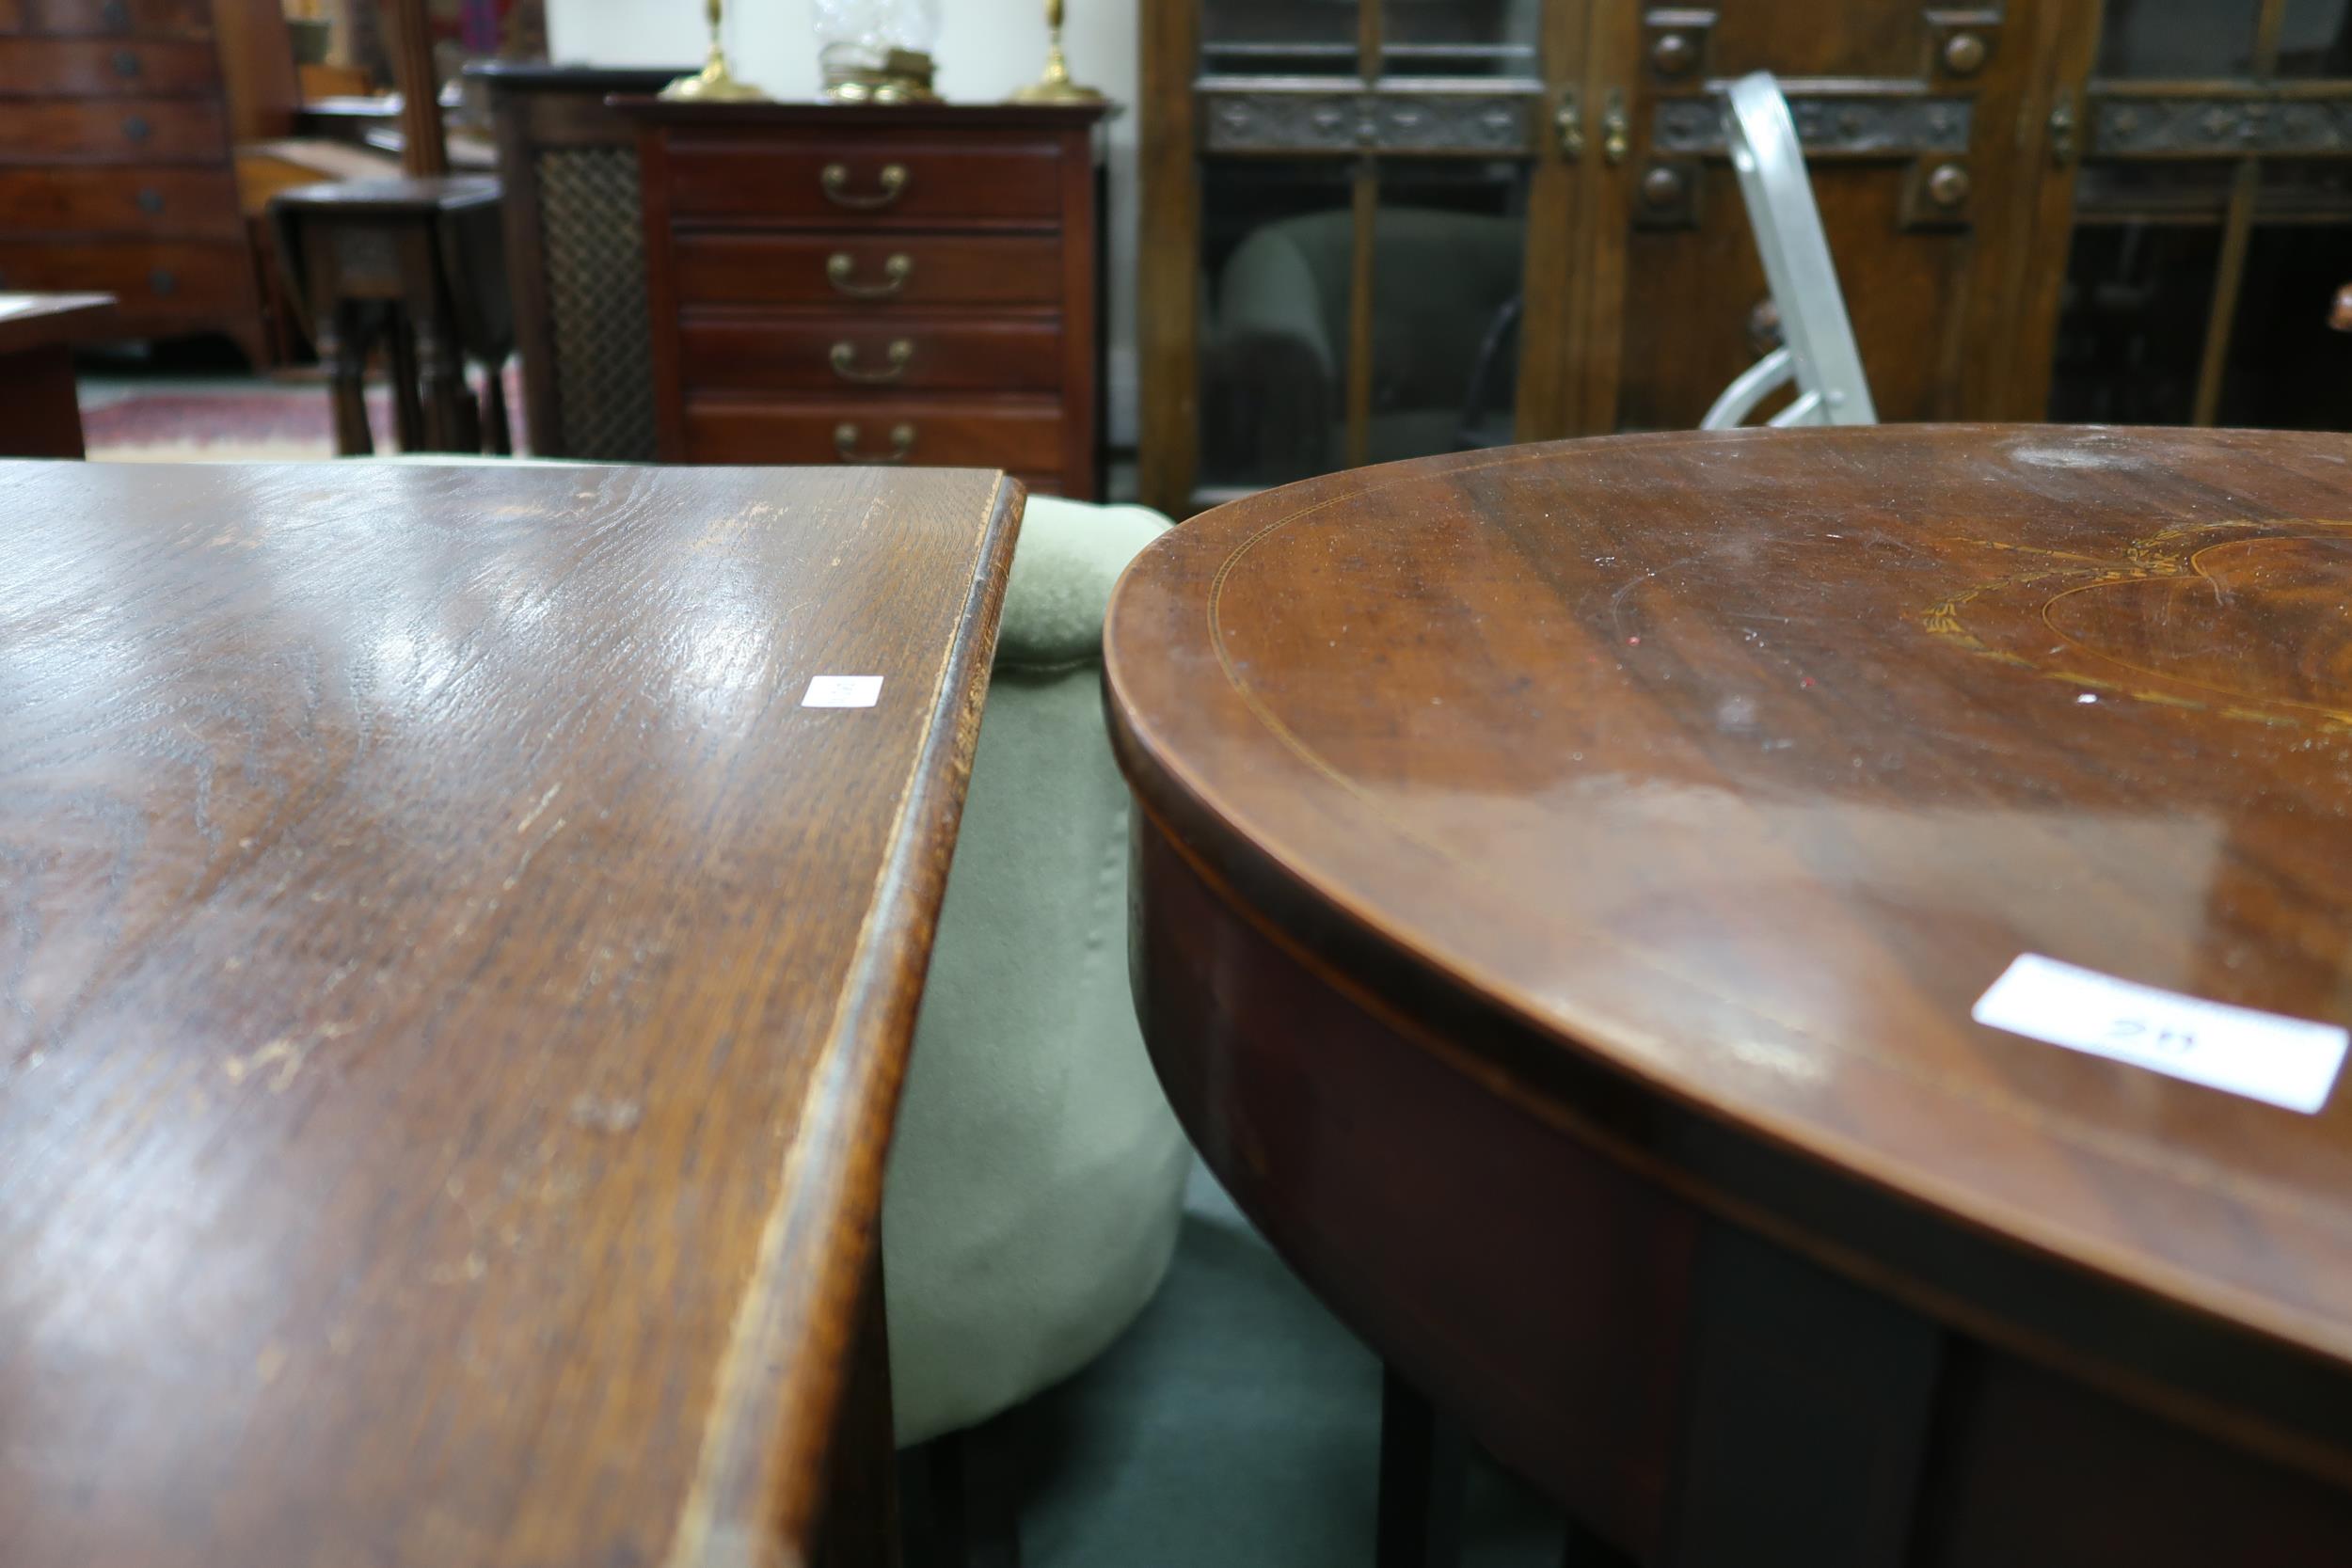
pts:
pixel 118 119
pixel 917 285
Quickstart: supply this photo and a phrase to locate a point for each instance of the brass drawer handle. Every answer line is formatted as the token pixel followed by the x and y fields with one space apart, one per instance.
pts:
pixel 841 272
pixel 844 364
pixel 844 440
pixel 836 184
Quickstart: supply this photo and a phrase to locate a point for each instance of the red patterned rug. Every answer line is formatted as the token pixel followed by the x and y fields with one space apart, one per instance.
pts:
pixel 242 420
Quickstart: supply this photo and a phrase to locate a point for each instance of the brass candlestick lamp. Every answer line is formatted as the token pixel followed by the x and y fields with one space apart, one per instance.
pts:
pixel 714 83
pixel 1056 86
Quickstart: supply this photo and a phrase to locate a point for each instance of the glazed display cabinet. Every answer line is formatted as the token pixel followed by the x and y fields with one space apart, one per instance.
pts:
pixel 1382 229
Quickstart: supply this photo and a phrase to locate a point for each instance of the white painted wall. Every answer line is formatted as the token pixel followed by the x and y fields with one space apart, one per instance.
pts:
pixel 987 48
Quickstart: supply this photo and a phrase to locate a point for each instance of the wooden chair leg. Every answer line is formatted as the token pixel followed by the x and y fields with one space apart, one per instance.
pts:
pixel 343 335
pixel 499 437
pixel 1425 1472
pixel 974 1518
pixel 407 407
pixel 861 1527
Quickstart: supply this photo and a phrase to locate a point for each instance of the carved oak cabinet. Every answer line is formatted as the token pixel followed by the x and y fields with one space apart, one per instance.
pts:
pixel 912 285
pixel 1383 229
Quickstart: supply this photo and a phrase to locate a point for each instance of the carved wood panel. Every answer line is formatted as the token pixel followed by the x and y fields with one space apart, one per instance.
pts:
pixel 1899 109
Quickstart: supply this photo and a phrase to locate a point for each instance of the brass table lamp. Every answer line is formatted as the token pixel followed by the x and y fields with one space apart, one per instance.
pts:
pixel 1056 86
pixel 714 83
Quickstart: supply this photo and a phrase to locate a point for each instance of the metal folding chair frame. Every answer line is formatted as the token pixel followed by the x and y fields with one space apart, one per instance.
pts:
pixel 1817 350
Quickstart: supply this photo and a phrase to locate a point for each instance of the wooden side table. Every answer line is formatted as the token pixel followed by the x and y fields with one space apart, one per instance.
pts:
pixel 40 410
pixel 420 263
pixel 466 1097
pixel 1570 884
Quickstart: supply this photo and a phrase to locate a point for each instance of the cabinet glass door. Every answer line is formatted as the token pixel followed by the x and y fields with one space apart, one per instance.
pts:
pixel 1373 183
pixel 2211 218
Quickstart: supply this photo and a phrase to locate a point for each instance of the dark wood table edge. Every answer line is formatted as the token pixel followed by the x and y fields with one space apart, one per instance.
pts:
pixel 66 318
pixel 2163 1341
pixel 758 1492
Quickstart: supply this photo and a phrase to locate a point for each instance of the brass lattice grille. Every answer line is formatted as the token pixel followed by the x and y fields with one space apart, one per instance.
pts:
pixel 596 260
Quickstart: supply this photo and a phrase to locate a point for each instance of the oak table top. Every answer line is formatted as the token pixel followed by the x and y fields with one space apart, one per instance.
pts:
pixel 453 993
pixel 1694 787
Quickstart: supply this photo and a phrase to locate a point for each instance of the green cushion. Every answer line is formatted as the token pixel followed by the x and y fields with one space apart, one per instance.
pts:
pixel 1068 557
pixel 1036 1180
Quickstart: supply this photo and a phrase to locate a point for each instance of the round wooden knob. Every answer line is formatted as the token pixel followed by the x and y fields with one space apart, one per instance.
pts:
pixel 164 281
pixel 1963 54
pixel 1661 186
pixel 1948 185
pixel 136 128
pixel 127 62
pixel 1673 53
pixel 151 201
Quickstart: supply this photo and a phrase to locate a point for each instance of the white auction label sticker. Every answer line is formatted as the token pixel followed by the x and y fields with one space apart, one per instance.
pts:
pixel 2290 1062
pixel 843 692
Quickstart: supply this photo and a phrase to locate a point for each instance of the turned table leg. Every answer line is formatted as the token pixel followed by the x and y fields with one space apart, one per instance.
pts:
pixel 499 437
pixel 343 336
pixel 442 370
pixel 861 1527
pixel 407 407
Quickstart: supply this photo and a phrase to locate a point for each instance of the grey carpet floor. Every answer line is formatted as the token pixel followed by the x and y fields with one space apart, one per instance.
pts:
pixel 1236 1425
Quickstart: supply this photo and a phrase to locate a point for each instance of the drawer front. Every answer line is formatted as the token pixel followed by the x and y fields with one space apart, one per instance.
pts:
pixel 183 203
pixel 913 270
pixel 72 68
pixel 124 130
pixel 907 354
pixel 197 278
pixel 925 433
pixel 85 17
pixel 869 182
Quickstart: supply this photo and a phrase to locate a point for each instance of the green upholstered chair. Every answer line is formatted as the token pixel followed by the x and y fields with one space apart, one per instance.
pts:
pixel 1274 393
pixel 1035 1184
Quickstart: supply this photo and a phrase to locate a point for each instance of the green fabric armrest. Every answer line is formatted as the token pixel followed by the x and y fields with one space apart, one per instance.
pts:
pixel 1037 1176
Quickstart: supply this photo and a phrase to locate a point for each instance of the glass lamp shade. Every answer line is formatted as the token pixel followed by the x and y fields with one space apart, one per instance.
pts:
pixel 856 37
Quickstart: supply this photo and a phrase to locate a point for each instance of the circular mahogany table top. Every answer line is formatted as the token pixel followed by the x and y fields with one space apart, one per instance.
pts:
pixel 1720 773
